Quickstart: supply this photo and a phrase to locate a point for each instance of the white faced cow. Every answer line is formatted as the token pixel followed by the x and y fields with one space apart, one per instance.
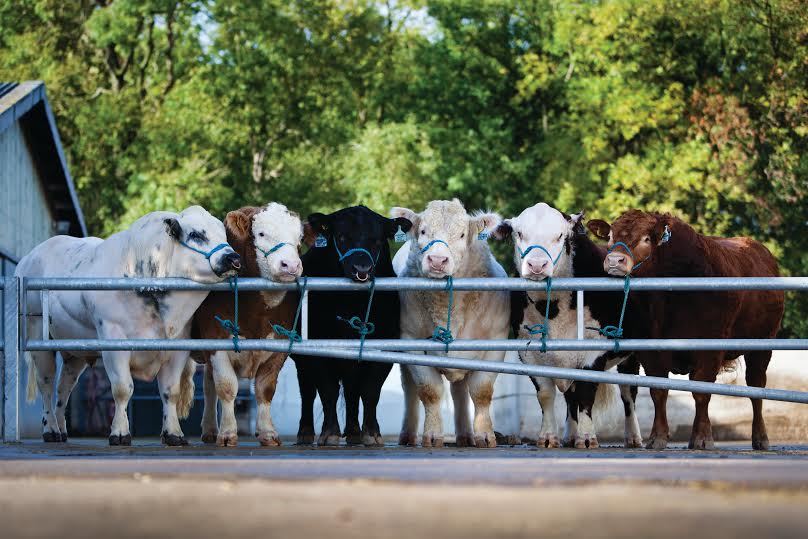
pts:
pixel 444 243
pixel 190 244
pixel 550 244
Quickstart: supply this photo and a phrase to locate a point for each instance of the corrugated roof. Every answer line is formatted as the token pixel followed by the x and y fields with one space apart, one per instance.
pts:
pixel 27 104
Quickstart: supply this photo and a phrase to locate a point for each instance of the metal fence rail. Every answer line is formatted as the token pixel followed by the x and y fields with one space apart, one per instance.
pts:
pixel 394 351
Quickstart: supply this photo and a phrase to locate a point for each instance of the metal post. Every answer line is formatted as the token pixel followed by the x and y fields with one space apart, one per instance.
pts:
pixel 11 352
pixel 580 313
pixel 304 314
pixel 44 299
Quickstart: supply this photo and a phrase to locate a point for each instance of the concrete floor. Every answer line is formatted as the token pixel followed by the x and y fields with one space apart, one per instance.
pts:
pixel 86 488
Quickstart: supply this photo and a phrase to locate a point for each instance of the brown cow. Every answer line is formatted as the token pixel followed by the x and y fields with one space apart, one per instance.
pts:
pixel 267 239
pixel 660 245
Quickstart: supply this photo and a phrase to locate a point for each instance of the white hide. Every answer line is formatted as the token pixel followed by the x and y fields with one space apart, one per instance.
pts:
pixel 146 249
pixel 475 315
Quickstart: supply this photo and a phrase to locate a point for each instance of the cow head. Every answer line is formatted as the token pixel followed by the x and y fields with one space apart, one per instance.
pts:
pixel 633 239
pixel 356 236
pixel 443 234
pixel 542 240
pixel 272 234
pixel 202 253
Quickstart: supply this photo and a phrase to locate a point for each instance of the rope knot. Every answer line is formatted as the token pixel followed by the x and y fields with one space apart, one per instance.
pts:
pixel 357 324
pixel 540 329
pixel 442 334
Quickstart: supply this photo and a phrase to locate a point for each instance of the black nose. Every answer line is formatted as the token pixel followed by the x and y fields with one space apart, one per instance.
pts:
pixel 362 268
pixel 233 259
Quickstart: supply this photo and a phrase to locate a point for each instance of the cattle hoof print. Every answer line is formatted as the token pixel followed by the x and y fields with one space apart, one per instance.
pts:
pixel 486 440
pixel 586 442
pixel 173 440
pixel 269 439
pixel 51 437
pixel 549 441
pixel 209 437
pixel 634 442
pixel 120 439
pixel 328 440
pixel 431 439
pixel 466 440
pixel 227 440
pixel 409 439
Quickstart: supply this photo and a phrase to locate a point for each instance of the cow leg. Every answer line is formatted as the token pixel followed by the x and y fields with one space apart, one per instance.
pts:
pixel 585 395
pixel 660 433
pixel 429 386
pixel 170 385
pixel 464 434
pixel 210 425
pixel 707 366
pixel 756 365
pixel 266 381
pixel 308 392
pixel 545 392
pixel 412 409
pixel 481 389
pixel 71 371
pixel 628 394
pixel 328 386
pixel 122 386
pixel 352 390
pixel 45 363
pixel 571 425
pixel 226 383
pixel 374 375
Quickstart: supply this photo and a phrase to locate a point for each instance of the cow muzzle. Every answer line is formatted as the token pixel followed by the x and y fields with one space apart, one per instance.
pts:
pixel 617 265
pixel 228 265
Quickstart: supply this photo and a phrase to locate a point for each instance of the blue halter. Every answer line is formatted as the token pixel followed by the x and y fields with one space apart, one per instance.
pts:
pixel 206 254
pixel 433 242
pixel 267 253
pixel 349 252
pixel 524 253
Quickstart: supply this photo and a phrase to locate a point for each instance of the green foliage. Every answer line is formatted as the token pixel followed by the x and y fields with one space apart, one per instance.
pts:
pixel 695 107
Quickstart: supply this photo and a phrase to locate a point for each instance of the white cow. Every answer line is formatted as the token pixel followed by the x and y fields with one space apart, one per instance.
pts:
pixel 191 244
pixel 445 243
pixel 549 244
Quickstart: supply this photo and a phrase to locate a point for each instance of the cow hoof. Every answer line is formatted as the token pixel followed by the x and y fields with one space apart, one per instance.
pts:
pixel 51 437
pixel 354 438
pixel 634 442
pixel 227 439
pixel 549 441
pixel 209 437
pixel 305 439
pixel 701 443
pixel 120 439
pixel 657 443
pixel 760 444
pixel 431 439
pixel 173 440
pixel 328 440
pixel 408 439
pixel 586 441
pixel 64 438
pixel 568 442
pixel 465 440
pixel 485 440
pixel 269 439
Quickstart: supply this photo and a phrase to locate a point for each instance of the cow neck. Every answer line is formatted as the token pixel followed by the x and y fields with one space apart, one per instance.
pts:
pixel 683 255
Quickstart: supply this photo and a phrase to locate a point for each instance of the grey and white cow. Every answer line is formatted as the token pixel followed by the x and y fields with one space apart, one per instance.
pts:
pixel 444 242
pixel 191 244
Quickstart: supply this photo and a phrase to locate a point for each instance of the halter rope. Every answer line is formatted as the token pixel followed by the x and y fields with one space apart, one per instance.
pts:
pixel 292 334
pixel 363 327
pixel 232 325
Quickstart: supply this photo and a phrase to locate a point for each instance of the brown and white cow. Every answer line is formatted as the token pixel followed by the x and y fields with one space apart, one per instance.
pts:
pixel 444 242
pixel 661 245
pixel 267 238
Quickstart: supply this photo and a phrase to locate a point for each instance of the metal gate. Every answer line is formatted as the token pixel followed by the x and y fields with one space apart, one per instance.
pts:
pixel 15 340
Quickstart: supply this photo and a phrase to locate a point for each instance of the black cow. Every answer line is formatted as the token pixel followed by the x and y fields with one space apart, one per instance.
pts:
pixel 352 243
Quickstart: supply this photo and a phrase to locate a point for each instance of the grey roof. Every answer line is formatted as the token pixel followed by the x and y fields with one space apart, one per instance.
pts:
pixel 27 104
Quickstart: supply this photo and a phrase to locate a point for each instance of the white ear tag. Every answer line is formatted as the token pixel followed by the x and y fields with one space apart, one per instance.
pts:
pixel 320 241
pixel 400 236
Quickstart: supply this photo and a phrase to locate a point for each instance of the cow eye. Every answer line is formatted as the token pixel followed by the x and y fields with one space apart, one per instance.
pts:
pixel 463 235
pixel 646 239
pixel 423 231
pixel 519 235
pixel 261 234
pixel 560 236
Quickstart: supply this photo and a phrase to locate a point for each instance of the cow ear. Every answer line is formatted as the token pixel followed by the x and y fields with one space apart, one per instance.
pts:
pixel 173 228
pixel 504 231
pixel 404 213
pixel 599 228
pixel 315 225
pixel 577 222
pixel 662 231
pixel 482 222
pixel 238 223
pixel 391 226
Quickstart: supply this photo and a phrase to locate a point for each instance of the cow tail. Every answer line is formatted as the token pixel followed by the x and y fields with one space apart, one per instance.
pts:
pixel 32 389
pixel 605 398
pixel 186 389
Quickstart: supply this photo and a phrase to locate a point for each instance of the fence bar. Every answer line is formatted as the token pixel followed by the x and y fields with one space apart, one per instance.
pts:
pixel 45 300
pixel 426 345
pixel 11 364
pixel 580 314
pixel 514 368
pixel 597 284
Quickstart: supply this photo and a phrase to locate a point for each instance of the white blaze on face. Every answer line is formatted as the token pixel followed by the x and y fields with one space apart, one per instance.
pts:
pixel 443 234
pixel 273 226
pixel 202 231
pixel 544 226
